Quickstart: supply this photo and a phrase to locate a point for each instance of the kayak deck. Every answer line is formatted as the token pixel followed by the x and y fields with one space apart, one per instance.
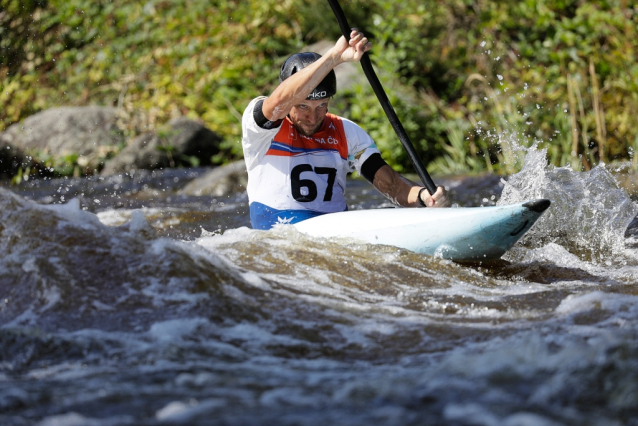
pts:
pixel 466 234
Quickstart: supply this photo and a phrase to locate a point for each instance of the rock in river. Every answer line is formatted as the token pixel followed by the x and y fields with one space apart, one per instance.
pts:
pixel 220 181
pixel 86 131
pixel 185 143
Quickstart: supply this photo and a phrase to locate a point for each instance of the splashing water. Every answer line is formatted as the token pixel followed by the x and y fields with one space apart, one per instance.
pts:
pixel 589 212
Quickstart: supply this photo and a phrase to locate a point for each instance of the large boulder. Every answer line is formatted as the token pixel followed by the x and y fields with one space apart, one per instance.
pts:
pixel 143 153
pixel 184 143
pixel 89 132
pixel 225 180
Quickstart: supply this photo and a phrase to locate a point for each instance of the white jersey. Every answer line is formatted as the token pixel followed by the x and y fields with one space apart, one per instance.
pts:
pixel 290 171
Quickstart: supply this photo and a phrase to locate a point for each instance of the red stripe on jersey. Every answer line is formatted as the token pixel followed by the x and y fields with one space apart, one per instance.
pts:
pixel 330 137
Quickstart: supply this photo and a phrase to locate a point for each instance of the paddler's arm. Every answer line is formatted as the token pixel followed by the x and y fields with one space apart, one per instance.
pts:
pixel 296 88
pixel 405 193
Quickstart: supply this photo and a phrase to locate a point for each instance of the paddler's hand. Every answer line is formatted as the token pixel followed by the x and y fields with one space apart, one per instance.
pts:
pixel 352 50
pixel 439 199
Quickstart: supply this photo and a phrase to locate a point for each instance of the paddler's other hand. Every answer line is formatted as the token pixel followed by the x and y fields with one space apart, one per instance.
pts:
pixel 439 199
pixel 353 49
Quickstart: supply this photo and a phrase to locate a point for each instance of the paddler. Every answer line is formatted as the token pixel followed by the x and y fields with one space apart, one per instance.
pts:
pixel 298 154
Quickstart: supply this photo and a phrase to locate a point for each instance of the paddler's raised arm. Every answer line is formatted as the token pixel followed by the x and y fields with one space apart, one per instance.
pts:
pixel 405 193
pixel 298 86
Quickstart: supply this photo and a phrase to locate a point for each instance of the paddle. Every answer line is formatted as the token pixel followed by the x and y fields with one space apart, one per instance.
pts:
pixel 385 103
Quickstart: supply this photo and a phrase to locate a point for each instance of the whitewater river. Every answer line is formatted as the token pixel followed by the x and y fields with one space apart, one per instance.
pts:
pixel 125 303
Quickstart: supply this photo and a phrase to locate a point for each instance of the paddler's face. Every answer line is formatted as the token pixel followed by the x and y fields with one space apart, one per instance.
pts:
pixel 308 115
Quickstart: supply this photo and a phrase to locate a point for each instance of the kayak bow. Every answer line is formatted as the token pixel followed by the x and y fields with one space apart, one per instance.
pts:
pixel 467 234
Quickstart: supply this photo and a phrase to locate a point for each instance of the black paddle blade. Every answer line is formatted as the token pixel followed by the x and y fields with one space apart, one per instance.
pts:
pixel 385 103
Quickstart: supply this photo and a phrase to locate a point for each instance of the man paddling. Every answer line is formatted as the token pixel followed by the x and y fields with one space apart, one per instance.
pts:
pixel 298 155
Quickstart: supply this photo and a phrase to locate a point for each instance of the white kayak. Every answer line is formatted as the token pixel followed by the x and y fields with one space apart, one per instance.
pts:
pixel 466 234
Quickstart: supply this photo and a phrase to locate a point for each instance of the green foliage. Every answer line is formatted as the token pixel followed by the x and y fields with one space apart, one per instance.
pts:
pixel 505 66
pixel 16 34
pixel 456 71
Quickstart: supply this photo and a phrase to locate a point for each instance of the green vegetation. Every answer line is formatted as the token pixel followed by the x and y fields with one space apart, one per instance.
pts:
pixel 458 72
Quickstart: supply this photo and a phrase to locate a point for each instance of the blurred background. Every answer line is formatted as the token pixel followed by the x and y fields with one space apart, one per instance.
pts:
pixel 459 73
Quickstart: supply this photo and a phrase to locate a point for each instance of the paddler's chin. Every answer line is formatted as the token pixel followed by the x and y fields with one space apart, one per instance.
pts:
pixel 307 129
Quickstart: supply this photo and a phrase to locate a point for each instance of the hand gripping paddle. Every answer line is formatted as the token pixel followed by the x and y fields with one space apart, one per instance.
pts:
pixel 385 103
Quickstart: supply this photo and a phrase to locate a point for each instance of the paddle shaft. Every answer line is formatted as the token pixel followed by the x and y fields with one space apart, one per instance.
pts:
pixel 385 103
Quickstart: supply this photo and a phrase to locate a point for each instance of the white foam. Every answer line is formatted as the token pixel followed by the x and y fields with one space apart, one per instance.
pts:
pixel 162 292
pixel 196 380
pixel 228 237
pixel 52 296
pixel 179 412
pixel 172 330
pixel 69 419
pixel 550 252
pixel 255 280
pixel 528 419
pixel 114 217
pixel 58 371
pixel 118 217
pixel 353 336
pixel 138 221
pixel 256 335
pixel 470 413
pixel 27 317
pixel 524 354
pixel 30 266
pixel 616 303
pixel 72 213
pixel 291 396
pixel 102 306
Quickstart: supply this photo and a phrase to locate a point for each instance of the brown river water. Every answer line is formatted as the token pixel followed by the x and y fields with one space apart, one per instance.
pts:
pixel 124 303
